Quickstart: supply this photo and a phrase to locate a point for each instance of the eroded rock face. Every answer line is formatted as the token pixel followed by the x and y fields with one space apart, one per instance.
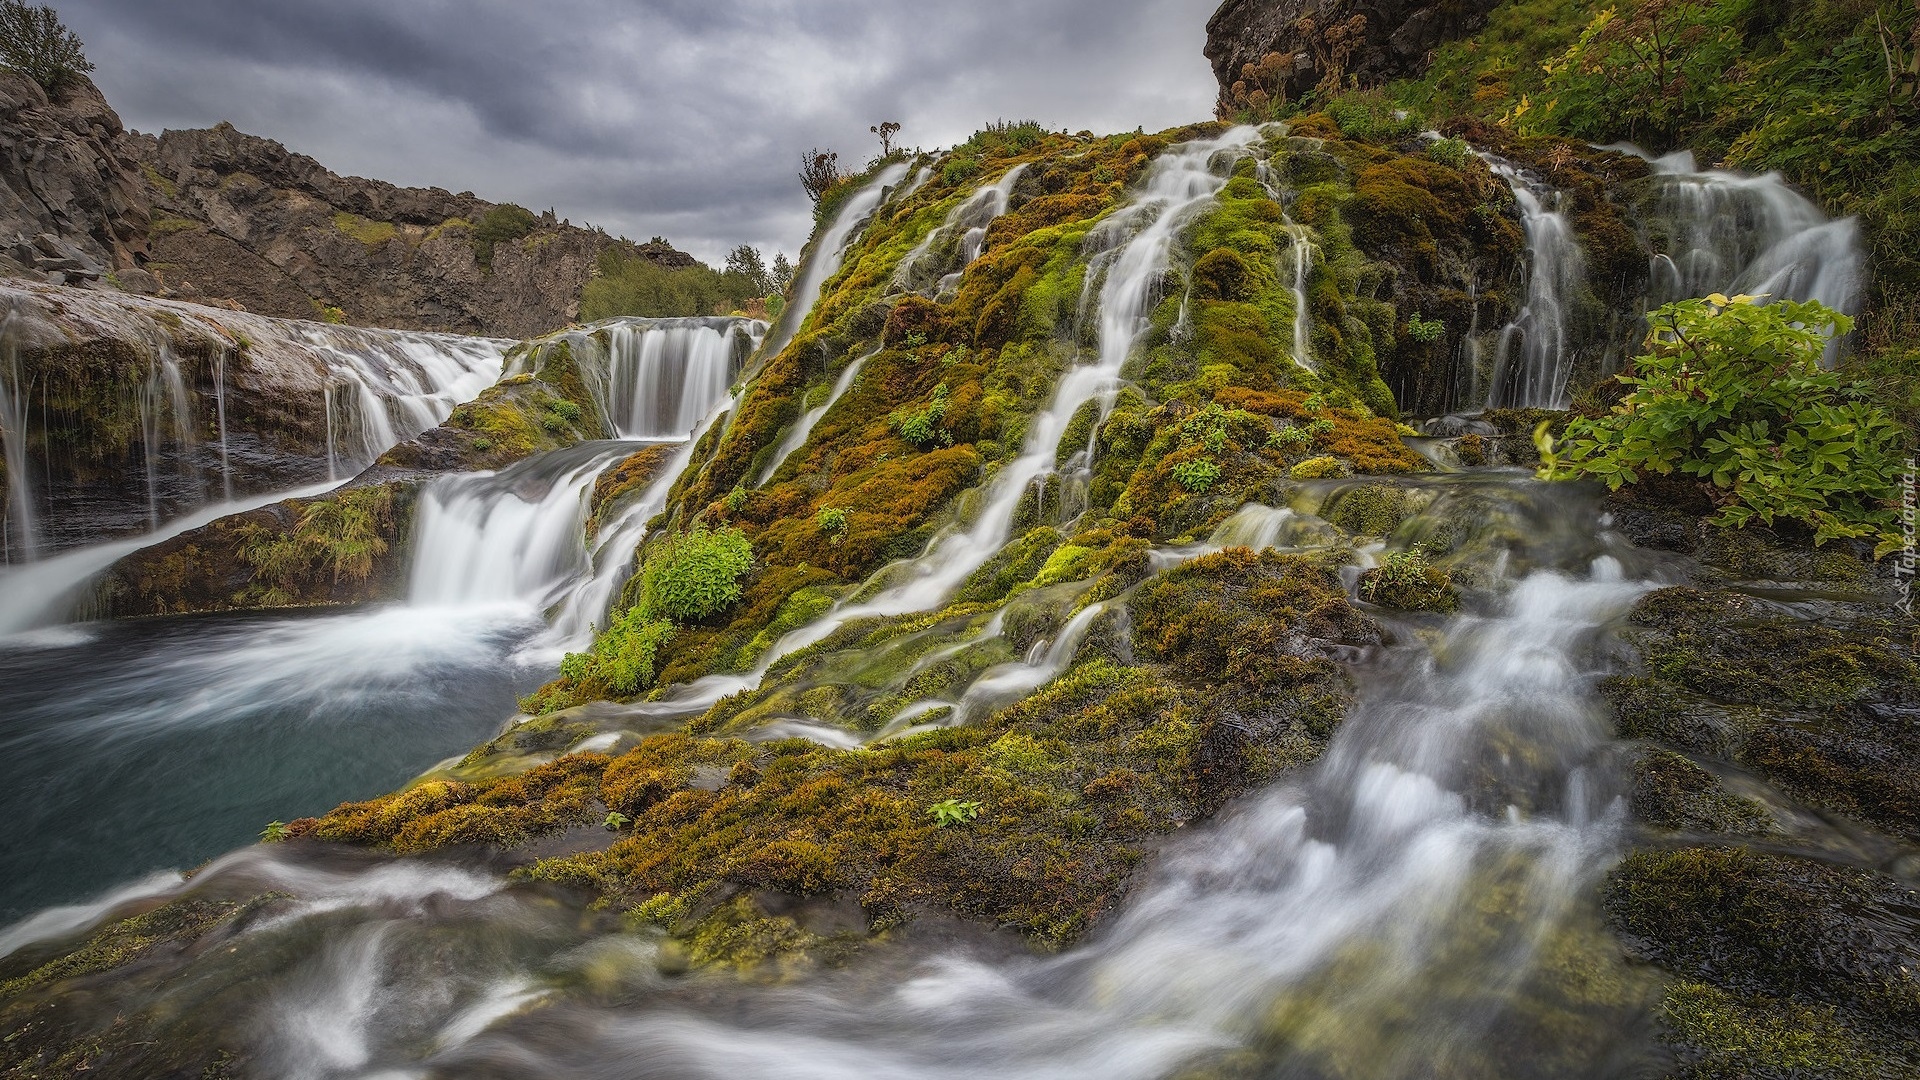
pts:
pixel 1395 40
pixel 71 207
pixel 242 218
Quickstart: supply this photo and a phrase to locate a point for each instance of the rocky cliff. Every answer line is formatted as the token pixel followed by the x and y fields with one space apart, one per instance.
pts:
pixel 1287 47
pixel 71 207
pixel 220 217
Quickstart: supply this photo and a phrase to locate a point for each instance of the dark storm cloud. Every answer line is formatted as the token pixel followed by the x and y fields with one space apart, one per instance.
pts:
pixel 681 118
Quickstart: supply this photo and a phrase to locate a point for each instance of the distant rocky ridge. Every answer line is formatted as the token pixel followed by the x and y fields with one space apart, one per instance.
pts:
pixel 220 217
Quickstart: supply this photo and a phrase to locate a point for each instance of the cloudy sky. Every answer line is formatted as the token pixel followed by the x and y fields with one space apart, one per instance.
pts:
pixel 679 118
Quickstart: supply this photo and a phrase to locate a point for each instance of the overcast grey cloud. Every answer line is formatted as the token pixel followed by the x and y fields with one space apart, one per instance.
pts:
pixel 679 118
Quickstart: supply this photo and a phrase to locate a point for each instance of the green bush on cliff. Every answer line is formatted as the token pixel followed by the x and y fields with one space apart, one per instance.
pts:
pixel 36 44
pixel 1732 392
pixel 501 224
pixel 695 574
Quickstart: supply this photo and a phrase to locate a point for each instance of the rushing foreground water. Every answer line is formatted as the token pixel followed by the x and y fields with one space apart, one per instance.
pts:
pixel 1409 906
pixel 158 744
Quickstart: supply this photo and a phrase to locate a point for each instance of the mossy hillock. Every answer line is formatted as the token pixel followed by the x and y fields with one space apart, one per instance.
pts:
pixel 1758 724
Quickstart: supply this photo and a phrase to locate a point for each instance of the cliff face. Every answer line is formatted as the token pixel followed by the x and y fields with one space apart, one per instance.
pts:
pixel 225 218
pixel 1313 36
pixel 71 207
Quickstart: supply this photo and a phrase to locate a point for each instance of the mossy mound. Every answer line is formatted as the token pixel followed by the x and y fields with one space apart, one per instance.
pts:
pixel 1786 965
pixel 1234 683
pixel 347 547
pixel 1820 710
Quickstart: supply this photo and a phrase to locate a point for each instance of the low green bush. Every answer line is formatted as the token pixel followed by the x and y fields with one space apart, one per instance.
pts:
pixel 695 574
pixel 1732 392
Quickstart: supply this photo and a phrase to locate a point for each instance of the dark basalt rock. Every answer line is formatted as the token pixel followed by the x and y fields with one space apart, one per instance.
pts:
pixel 1398 37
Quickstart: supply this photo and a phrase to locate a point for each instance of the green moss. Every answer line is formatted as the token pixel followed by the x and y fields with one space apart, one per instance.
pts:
pixel 371 233
pixel 176 925
pixel 1406 580
pixel 1670 792
pixel 1722 1036
pixel 1772 926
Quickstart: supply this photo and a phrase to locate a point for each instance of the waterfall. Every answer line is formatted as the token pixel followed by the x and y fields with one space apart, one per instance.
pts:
pixel 164 419
pixel 45 593
pixel 289 402
pixel 1406 906
pixel 588 600
pixel 516 537
pixel 657 378
pixel 797 437
pixel 1136 247
pixel 968 222
pixel 1724 232
pixel 388 385
pixel 824 260
pixel 1533 363
pixel 21 534
pixel 1300 251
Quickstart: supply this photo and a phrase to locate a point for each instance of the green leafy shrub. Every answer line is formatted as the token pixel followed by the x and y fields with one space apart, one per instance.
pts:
pixel 831 521
pixel 1732 392
pixel 695 574
pixel 629 283
pixel 34 43
pixel 1196 475
pixel 274 833
pixel 921 427
pixel 1289 438
pixel 1425 331
pixel 948 812
pixel 1452 153
pixel 623 655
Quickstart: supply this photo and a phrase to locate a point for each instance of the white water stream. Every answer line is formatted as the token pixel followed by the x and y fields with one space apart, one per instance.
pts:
pixel 829 249
pixel 1533 361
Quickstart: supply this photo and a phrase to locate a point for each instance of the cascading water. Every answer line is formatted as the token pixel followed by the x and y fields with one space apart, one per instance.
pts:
pixel 1139 243
pixel 1300 252
pixel 1397 911
pixel 797 437
pixel 290 402
pixel 828 251
pixel 963 235
pixel 587 600
pixel 513 538
pixel 1533 362
pixel 657 378
pixel 1724 232
pixel 21 534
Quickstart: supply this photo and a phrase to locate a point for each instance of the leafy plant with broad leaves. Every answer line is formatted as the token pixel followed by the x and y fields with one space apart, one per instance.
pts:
pixel 832 522
pixel 1731 392
pixel 948 812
